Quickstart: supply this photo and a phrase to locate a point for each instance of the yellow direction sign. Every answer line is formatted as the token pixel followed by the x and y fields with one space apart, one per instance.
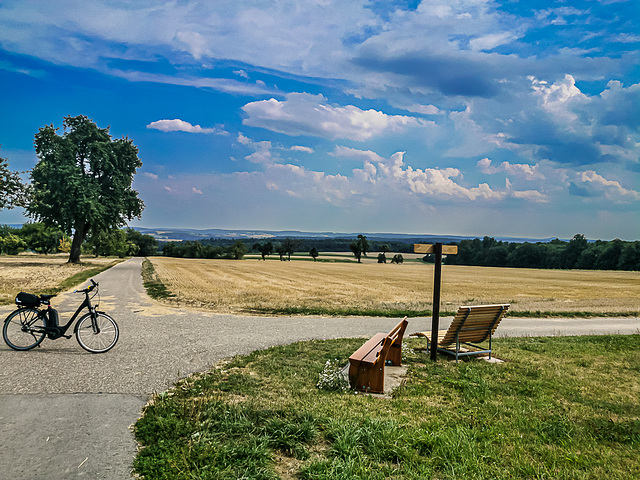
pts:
pixel 427 248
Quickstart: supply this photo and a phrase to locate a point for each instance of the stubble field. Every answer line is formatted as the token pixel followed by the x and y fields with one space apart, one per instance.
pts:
pixel 312 287
pixel 42 273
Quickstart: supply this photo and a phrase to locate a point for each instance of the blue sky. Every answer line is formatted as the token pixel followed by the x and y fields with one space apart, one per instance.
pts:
pixel 468 117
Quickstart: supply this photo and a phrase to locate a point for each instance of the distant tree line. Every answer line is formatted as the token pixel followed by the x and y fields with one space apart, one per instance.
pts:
pixel 200 249
pixel 578 253
pixel 40 238
pixel 321 244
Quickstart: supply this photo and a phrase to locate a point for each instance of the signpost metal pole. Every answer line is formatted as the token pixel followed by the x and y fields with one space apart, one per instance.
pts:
pixel 435 319
pixel 438 249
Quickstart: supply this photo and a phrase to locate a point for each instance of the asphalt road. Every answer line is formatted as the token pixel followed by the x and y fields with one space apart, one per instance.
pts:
pixel 65 413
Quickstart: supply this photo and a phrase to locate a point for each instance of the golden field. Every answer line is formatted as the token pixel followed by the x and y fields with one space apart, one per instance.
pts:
pixel 39 273
pixel 252 285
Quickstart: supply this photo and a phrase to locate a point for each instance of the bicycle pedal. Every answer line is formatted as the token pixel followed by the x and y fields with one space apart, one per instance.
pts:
pixel 67 336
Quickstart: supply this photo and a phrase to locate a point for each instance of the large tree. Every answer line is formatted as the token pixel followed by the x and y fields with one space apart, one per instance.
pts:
pixel 82 182
pixel 360 247
pixel 11 188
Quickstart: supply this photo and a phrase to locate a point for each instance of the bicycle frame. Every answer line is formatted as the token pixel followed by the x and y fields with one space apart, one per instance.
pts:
pixel 60 330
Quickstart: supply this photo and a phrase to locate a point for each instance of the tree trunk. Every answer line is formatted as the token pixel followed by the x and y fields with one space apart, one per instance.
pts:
pixel 76 245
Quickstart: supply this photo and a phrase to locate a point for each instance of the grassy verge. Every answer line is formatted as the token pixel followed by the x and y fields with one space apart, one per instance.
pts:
pixel 80 277
pixel 562 408
pixel 154 286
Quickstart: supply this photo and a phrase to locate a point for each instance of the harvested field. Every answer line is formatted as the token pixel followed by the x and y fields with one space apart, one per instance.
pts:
pixel 250 285
pixel 39 273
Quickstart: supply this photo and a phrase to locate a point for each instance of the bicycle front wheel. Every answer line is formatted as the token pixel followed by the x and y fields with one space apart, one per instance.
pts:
pixel 24 329
pixel 98 337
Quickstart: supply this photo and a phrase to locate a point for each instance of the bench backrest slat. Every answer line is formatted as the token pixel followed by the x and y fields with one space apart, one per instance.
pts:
pixel 474 323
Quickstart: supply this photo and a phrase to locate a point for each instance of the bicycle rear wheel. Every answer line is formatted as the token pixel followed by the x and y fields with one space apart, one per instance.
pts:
pixel 24 329
pixel 100 339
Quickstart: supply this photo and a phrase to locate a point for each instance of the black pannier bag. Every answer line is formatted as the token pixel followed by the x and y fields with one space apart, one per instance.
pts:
pixel 27 300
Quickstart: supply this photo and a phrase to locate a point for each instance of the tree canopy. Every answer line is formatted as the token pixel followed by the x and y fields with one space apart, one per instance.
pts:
pixel 11 187
pixel 82 182
pixel 360 247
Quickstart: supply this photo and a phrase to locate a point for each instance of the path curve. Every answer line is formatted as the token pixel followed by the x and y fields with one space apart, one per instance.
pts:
pixel 84 403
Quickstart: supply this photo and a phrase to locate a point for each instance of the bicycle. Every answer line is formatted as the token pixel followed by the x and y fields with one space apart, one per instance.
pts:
pixel 26 327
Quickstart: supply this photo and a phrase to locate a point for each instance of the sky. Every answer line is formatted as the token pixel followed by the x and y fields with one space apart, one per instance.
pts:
pixel 448 117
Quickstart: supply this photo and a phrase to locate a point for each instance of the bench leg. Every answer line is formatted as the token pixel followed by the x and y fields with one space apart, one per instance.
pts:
pixel 367 377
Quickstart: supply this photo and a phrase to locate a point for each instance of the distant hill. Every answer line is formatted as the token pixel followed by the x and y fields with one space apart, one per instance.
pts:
pixel 179 234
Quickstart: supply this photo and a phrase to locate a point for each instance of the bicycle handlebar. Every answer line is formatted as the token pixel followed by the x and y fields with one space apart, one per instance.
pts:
pixel 93 285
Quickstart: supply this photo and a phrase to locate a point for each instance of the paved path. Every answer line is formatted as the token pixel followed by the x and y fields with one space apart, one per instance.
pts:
pixel 65 413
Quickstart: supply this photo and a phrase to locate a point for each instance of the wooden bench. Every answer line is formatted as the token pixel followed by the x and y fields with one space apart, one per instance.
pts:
pixel 366 365
pixel 471 324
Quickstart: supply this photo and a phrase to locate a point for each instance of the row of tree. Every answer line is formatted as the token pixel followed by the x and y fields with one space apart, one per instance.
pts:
pixel 578 253
pixel 40 238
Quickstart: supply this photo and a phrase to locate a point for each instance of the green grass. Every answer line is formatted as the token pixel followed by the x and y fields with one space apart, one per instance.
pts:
pixel 558 408
pixel 79 278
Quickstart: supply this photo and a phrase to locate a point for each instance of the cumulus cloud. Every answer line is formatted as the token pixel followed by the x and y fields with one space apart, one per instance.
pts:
pixel 560 123
pixel 590 184
pixel 177 125
pixel 531 195
pixel 387 173
pixel 521 170
pixel 307 114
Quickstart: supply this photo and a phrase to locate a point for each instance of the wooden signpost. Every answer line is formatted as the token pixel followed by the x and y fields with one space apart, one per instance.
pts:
pixel 439 249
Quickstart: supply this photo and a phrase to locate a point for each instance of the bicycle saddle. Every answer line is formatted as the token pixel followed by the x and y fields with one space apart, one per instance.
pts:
pixel 48 297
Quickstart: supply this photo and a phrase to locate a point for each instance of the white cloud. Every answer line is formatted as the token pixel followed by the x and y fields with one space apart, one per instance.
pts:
pixel 521 170
pixel 262 151
pixel 363 155
pixel 591 184
pixel 306 114
pixel 150 175
pixel 491 41
pixel 557 97
pixel 531 195
pixel 300 148
pixel 196 191
pixel 627 38
pixel 423 109
pixel 177 125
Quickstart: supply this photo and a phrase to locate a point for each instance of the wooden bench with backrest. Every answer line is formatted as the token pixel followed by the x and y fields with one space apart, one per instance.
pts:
pixel 366 365
pixel 471 325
